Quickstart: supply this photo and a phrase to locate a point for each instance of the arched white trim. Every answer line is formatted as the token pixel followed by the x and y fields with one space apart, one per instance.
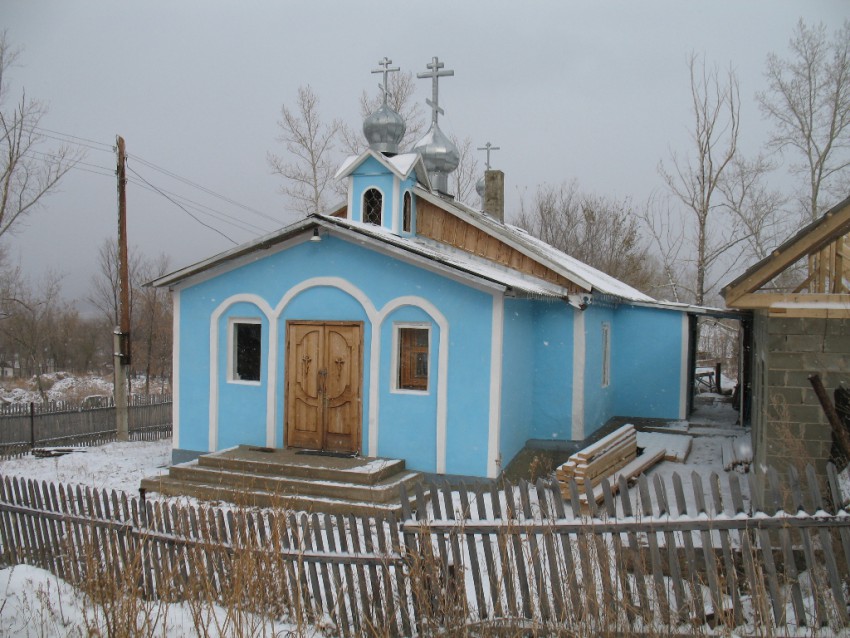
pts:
pixel 263 306
pixel 376 319
pixel 442 377
pixel 383 206
pixel 494 436
pixel 274 347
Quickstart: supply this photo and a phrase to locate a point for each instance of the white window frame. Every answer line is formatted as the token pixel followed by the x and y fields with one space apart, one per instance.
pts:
pixel 395 360
pixel 606 354
pixel 231 349
pixel 363 205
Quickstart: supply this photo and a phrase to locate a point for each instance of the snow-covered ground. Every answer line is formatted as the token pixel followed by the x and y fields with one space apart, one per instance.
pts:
pixel 34 603
pixel 114 466
pixel 62 386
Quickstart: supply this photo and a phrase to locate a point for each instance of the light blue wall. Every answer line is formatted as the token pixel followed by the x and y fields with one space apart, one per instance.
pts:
pixel 647 362
pixel 406 421
pixel 518 378
pixel 552 393
pixel 598 400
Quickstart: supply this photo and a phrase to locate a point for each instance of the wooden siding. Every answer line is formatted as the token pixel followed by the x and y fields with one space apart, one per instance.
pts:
pixel 437 224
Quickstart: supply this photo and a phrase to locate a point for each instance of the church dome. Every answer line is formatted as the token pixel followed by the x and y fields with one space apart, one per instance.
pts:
pixel 440 155
pixel 384 130
pixel 479 187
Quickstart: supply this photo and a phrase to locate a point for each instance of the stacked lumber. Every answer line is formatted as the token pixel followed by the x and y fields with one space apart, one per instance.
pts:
pixel 609 458
pixel 599 460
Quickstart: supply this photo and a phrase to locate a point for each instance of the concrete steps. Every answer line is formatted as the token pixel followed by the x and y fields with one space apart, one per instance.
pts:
pixel 266 477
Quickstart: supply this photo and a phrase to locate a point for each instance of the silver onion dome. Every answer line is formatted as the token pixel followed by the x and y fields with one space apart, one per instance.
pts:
pixel 384 130
pixel 479 187
pixel 440 155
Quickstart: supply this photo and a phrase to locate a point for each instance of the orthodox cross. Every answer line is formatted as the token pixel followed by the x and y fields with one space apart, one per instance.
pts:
pixel 386 70
pixel 435 73
pixel 488 147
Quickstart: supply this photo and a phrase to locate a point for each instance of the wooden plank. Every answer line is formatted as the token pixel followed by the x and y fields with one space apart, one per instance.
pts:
pixel 352 577
pixel 504 558
pixel 835 580
pixel 838 501
pixel 551 556
pixel 455 584
pixel 654 552
pixel 472 552
pixel 352 538
pixel 672 550
pixel 315 587
pixel 575 611
pixel 636 556
pixel 487 542
pixel 768 564
pixel 728 561
pixel 708 551
pixel 693 579
pixel 340 589
pixel 541 590
pixel 748 553
pixel 329 592
pixel 518 553
pixel 401 582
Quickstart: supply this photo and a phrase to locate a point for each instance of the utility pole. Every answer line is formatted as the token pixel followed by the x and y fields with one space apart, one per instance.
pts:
pixel 121 334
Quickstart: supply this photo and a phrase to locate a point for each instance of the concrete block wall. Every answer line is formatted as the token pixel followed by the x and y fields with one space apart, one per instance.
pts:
pixel 789 425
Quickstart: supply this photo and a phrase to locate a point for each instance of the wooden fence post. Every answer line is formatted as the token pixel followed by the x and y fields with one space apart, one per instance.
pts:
pixel 32 425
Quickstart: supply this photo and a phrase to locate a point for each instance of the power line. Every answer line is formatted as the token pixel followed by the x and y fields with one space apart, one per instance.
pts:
pixel 108 147
pixel 183 208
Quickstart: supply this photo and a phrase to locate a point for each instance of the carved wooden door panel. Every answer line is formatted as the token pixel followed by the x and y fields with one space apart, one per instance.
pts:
pixel 323 385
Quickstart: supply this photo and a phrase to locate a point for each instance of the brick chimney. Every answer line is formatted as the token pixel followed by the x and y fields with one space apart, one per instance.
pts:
pixel 494 194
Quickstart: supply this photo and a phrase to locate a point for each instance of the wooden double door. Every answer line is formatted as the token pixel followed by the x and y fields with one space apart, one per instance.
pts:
pixel 324 368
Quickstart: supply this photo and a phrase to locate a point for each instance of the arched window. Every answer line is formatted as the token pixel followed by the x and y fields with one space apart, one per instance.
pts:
pixel 373 202
pixel 405 219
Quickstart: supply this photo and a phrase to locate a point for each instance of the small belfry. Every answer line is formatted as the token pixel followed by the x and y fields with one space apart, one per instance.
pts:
pixel 437 150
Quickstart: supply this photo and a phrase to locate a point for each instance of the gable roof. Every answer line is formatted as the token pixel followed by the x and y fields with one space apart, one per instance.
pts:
pixel 585 276
pixel 810 239
pixel 402 166
pixel 438 256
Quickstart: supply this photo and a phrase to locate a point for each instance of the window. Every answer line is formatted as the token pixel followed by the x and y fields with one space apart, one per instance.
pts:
pixel 606 355
pixel 413 358
pixel 247 349
pixel 373 202
pixel 405 218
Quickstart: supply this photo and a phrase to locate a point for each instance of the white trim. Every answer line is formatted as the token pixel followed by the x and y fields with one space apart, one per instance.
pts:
pixel 494 434
pixel 394 363
pixel 175 369
pixel 442 378
pixel 230 375
pixel 606 353
pixel 263 307
pixel 376 319
pixel 383 206
pixel 684 389
pixel 350 211
pixel 396 222
pixel 579 356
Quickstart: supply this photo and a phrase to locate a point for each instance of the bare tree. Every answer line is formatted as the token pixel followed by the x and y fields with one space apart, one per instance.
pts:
pixel 152 327
pixel 808 100
pixel 667 239
pixel 309 167
pixel 28 172
pixel 695 178
pixel 601 232
pixel 106 284
pixel 754 205
pixel 467 173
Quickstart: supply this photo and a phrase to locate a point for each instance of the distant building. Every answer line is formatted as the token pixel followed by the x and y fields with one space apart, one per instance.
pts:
pixel 404 324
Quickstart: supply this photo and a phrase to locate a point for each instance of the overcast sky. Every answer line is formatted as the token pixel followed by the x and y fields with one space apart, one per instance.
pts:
pixel 592 91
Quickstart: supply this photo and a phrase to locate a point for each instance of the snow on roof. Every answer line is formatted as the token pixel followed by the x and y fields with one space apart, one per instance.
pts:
pixel 404 162
pixel 458 260
pixel 401 165
pixel 569 267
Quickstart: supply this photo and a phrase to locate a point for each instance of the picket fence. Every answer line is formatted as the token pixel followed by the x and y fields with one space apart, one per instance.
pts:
pixel 62 423
pixel 516 556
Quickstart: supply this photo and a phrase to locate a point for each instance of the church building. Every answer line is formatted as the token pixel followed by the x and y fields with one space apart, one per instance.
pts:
pixel 402 323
